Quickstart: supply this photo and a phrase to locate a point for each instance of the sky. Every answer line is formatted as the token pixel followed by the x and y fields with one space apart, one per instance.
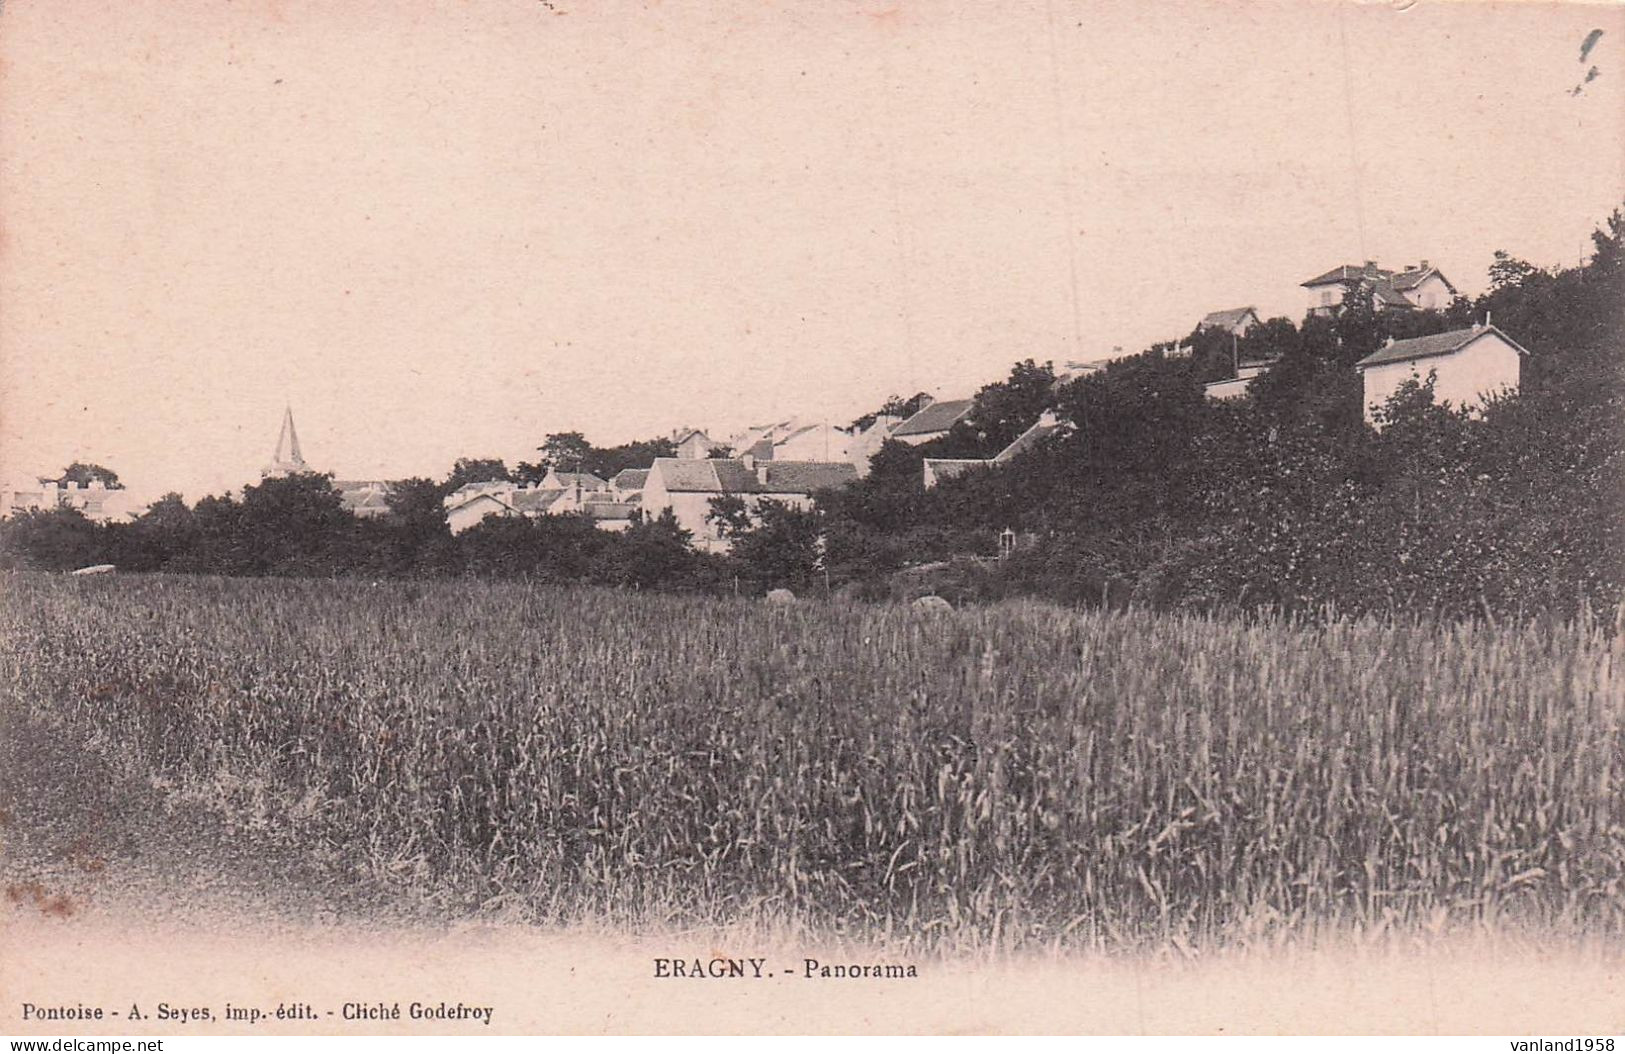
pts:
pixel 444 229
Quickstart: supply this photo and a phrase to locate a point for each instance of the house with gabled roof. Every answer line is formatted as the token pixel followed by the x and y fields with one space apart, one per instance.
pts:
pixel 933 421
pixel 687 486
pixel 1236 320
pixel 1419 286
pixel 937 469
pixel 627 484
pixel 1468 366
pixel 693 443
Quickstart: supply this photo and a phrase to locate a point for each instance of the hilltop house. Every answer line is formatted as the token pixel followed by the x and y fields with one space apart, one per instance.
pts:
pixel 1237 320
pixel 933 421
pixel 1467 366
pixel 938 469
pixel 1420 286
pixel 686 487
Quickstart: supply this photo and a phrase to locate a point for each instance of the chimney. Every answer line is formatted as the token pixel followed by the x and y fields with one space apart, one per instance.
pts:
pixel 1388 343
pixel 1371 266
pixel 1424 266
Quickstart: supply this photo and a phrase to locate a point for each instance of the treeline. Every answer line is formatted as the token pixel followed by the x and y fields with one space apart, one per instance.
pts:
pixel 1155 495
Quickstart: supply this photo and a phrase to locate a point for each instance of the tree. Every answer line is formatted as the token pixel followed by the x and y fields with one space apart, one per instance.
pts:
pixel 566 452
pixel 1005 409
pixel 649 555
pixel 476 470
pixel 294 525
pixel 894 406
pixel 51 540
pixel 783 546
pixel 82 474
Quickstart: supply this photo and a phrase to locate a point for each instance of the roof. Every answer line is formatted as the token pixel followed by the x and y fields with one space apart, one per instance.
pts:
pixel 1428 347
pixel 587 480
pixel 611 510
pixel 1227 319
pixel 630 479
pixel 1349 273
pixel 938 417
pixel 533 500
pixel 1383 289
pixel 938 469
pixel 1045 427
pixel 471 499
pixel 732 476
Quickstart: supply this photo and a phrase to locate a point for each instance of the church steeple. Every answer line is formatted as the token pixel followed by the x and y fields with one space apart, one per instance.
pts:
pixel 288 460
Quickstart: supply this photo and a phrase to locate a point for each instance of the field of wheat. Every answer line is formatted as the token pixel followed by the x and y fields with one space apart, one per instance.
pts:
pixel 999 778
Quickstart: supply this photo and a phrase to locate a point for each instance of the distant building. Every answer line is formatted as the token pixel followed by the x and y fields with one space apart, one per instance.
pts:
pixel 1237 386
pixel 1467 366
pixel 693 443
pixel 627 485
pixel 814 442
pixel 364 498
pixel 287 461
pixel 933 421
pixel 1237 320
pixel 94 499
pixel 935 470
pixel 686 487
pixel 1421 286
pixel 867 443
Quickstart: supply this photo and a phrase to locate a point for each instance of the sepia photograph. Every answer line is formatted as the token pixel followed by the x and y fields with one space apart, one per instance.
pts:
pixel 812 517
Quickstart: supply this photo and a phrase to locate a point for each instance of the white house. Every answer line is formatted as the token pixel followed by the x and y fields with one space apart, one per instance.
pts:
pixel 1467 366
pixel 686 486
pixel 1418 286
pixel 693 443
pixel 1237 320
pixel 815 442
pixel 933 421
pixel 1237 386
pixel 94 499
pixel 867 442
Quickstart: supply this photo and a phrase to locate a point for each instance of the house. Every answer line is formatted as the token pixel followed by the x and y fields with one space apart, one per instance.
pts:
pixel 613 515
pixel 693 443
pixel 1467 366
pixel 627 484
pixel 686 487
pixel 815 442
pixel 366 499
pixel 1237 386
pixel 1236 321
pixel 933 421
pixel 937 469
pixel 867 442
pixel 94 499
pixel 586 481
pixel 1420 286
pixel 465 508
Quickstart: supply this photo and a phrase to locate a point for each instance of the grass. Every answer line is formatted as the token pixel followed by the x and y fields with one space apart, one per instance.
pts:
pixel 1005 778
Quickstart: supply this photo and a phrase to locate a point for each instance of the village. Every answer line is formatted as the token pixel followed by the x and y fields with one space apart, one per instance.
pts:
pixel 788 461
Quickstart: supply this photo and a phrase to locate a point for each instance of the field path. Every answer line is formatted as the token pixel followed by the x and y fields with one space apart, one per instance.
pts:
pixel 116 897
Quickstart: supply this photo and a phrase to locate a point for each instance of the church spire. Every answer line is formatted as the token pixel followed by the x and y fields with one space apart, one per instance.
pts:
pixel 288 460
